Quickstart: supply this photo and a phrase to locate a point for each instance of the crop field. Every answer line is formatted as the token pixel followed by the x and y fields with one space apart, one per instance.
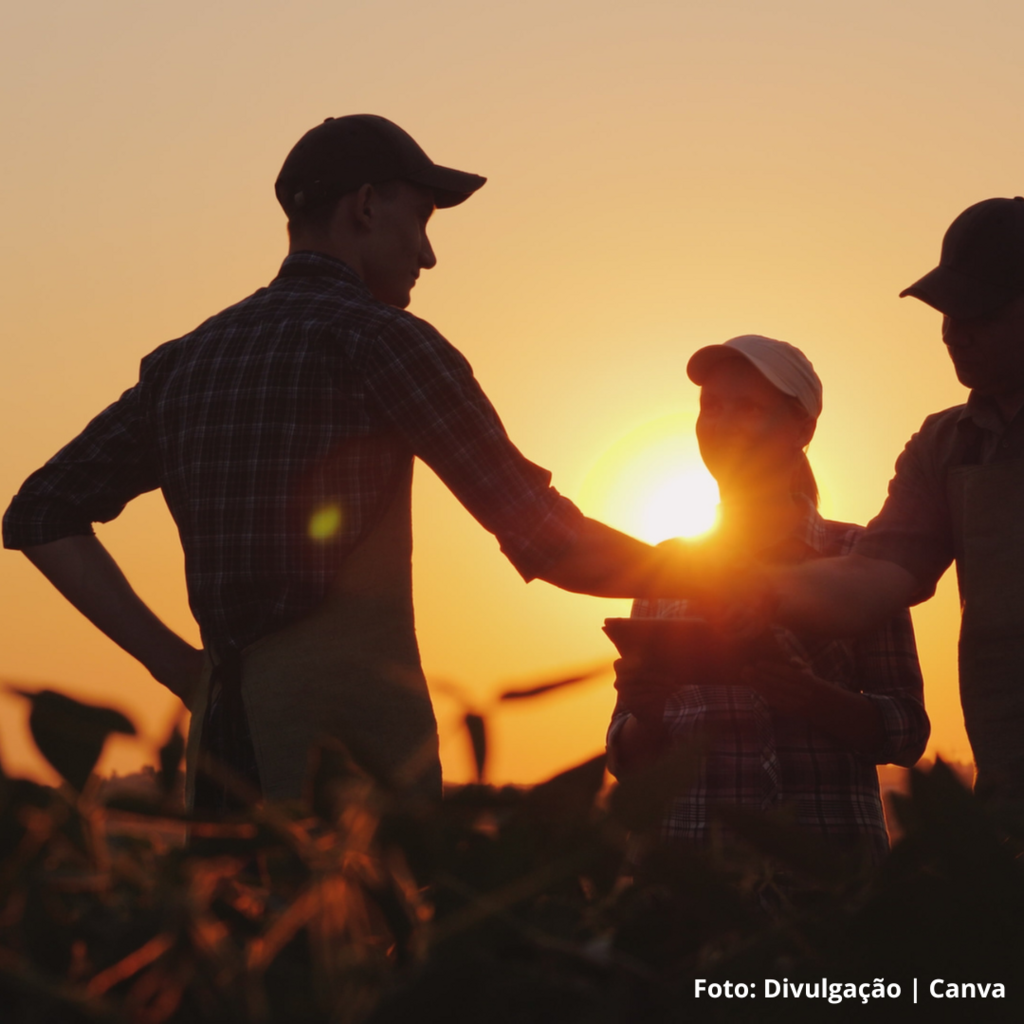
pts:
pixel 554 903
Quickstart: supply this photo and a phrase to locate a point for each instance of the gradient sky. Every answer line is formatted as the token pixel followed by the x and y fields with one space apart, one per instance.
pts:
pixel 661 176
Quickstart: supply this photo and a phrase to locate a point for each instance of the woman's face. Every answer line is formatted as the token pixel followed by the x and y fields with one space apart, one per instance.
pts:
pixel 750 434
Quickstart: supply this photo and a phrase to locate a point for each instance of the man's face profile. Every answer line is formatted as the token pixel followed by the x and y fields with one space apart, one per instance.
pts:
pixel 397 248
pixel 988 352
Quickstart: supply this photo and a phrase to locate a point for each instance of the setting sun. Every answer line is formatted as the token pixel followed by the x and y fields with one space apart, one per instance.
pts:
pixel 652 483
pixel 680 504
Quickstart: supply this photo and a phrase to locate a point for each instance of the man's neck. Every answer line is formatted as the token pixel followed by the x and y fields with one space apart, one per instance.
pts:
pixel 316 242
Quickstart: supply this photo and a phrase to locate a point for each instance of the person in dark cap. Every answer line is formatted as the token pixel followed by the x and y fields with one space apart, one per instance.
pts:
pixel 957 495
pixel 282 432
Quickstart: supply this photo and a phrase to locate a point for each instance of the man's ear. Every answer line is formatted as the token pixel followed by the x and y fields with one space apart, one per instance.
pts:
pixel 354 212
pixel 364 206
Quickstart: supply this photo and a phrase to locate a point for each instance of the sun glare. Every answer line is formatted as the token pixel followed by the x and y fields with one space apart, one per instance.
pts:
pixel 652 483
pixel 682 504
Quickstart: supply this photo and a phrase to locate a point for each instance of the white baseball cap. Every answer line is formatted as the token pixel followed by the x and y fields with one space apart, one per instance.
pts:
pixel 780 363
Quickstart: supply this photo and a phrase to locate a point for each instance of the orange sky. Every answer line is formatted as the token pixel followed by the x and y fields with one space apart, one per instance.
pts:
pixel 661 176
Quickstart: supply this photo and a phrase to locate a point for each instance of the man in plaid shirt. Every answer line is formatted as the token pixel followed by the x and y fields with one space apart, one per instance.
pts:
pixel 282 433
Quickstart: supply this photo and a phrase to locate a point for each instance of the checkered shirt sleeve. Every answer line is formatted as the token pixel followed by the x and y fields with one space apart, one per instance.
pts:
pixel 90 480
pixel 426 389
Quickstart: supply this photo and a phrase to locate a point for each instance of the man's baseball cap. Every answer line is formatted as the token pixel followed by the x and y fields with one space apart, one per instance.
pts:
pixel 344 153
pixel 780 363
pixel 982 263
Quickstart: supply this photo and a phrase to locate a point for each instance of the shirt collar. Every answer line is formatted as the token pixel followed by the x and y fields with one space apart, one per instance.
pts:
pixel 319 264
pixel 980 411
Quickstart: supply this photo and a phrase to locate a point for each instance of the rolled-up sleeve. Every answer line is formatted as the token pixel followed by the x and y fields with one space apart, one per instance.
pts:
pixel 90 480
pixel 426 389
pixel 889 675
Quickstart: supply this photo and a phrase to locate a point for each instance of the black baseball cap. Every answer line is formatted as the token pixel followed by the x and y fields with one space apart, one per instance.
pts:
pixel 344 153
pixel 982 264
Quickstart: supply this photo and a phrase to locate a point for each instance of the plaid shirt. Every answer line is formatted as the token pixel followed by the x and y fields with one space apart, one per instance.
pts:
pixel 759 758
pixel 277 430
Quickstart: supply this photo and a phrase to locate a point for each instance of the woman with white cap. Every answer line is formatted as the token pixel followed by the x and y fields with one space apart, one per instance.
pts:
pixel 807 728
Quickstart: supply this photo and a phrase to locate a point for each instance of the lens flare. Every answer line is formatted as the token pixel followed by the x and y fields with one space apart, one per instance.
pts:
pixel 325 522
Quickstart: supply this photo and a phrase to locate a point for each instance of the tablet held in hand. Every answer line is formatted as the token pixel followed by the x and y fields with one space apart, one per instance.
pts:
pixel 690 648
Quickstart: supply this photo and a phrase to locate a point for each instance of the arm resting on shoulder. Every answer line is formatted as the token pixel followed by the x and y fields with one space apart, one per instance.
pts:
pixel 82 569
pixel 843 596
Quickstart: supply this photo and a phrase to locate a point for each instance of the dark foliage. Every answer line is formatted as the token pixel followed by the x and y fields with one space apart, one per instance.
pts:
pixel 498 905
pixel 476 727
pixel 71 735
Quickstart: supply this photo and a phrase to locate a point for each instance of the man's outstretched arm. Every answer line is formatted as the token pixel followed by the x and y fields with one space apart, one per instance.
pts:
pixel 81 568
pixel 606 563
pixel 842 596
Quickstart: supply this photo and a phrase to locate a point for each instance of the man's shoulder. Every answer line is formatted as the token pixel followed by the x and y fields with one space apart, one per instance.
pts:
pixel 338 305
pixel 401 321
pixel 318 308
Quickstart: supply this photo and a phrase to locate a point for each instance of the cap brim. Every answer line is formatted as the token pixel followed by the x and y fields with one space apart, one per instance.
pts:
pixel 957 295
pixel 450 187
pixel 704 360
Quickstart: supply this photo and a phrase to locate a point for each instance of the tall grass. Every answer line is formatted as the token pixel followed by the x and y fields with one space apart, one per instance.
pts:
pixel 496 905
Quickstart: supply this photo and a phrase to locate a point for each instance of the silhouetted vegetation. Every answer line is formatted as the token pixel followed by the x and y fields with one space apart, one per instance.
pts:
pixel 501 905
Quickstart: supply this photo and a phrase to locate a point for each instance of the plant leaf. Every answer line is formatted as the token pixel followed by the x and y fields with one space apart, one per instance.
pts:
pixel 555 684
pixel 477 729
pixel 330 769
pixel 570 795
pixel 70 734
pixel 171 754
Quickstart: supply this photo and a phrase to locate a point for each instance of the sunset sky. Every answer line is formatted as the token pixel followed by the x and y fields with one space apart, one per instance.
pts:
pixel 661 176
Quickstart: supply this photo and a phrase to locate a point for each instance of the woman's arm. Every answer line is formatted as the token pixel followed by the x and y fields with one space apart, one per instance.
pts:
pixel 636 736
pixel 850 719
pixel 889 675
pixel 886 721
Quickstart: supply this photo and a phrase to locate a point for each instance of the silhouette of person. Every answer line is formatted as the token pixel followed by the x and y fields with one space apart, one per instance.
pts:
pixel 282 433
pixel 808 729
pixel 957 495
